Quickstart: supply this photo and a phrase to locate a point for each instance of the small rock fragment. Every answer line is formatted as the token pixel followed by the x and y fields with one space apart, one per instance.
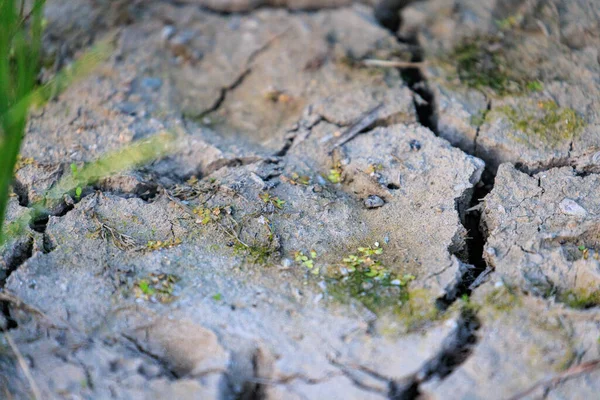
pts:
pixel 415 145
pixel 374 202
pixel 168 32
pixel 570 207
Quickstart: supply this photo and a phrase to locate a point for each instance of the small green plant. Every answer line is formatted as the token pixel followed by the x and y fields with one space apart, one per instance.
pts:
pixel 78 189
pixel 307 261
pixel 208 215
pixel 217 297
pixel 156 286
pixel 276 201
pixel 335 174
pixel 296 179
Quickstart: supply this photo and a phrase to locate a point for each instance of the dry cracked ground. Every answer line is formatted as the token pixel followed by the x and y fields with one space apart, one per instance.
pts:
pixel 425 225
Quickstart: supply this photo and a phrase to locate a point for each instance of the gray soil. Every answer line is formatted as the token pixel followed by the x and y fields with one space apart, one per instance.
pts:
pixel 323 229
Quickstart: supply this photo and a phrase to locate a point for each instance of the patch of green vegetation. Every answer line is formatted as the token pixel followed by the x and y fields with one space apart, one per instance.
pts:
pixel 296 179
pixel 153 245
pixel 548 123
pixel 276 201
pixel 256 254
pixel 580 299
pixel 307 261
pixel 481 63
pixel 502 298
pixel 217 297
pixel 335 174
pixel 362 277
pixel 157 286
pixel 208 215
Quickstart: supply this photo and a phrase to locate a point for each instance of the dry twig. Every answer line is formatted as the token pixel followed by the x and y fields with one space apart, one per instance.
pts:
pixel 555 380
pixel 37 395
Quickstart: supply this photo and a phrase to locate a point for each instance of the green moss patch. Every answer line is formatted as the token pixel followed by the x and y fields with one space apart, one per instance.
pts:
pixel 482 63
pixel 580 299
pixel 361 276
pixel 547 122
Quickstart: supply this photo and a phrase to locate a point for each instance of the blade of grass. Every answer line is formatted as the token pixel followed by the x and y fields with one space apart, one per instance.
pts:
pixel 19 63
pixel 16 99
pixel 124 159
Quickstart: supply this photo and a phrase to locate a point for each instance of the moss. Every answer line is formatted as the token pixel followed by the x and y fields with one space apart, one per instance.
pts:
pixel 580 299
pixel 549 123
pixel 153 245
pixel 362 277
pixel 482 63
pixel 256 254
pixel 502 299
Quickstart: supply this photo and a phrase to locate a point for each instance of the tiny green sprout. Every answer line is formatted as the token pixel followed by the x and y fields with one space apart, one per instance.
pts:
pixel 78 191
pixel 158 286
pixel 74 169
pixel 276 201
pixel 307 261
pixel 581 248
pixel 535 86
pixel 335 175
pixel 217 297
pixel 145 287
pixel 207 215
pixel 296 179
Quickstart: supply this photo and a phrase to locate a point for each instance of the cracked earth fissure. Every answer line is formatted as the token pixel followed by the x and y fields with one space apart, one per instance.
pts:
pixel 459 344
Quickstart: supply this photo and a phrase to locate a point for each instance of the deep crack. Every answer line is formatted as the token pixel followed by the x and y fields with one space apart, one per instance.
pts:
pixel 456 349
pixel 459 344
pixel 19 254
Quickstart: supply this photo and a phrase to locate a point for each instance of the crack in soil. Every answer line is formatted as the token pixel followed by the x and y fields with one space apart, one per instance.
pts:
pixel 458 346
pixel 19 255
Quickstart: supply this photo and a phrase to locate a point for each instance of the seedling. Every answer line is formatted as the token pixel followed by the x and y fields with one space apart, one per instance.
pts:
pixel 335 174
pixel 276 201
pixel 156 287
pixel 307 261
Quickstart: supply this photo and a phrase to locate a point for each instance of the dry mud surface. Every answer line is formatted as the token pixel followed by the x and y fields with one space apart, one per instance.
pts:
pixel 324 229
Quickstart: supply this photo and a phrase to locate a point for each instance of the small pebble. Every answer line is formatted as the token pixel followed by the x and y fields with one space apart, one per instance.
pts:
pixel 570 207
pixel 167 32
pixel 415 145
pixel 374 201
pixel 152 83
pixel 395 282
